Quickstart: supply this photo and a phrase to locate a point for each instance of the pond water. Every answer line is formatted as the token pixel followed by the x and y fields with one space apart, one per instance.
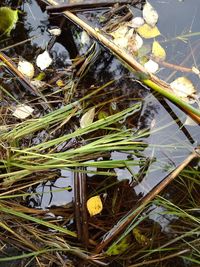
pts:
pixel 159 124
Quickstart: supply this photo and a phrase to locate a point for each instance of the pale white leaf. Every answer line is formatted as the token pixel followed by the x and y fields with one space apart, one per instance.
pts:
pixel 26 68
pixel 151 66
pixel 23 111
pixel 183 87
pixel 55 31
pixel 87 118
pixel 136 22
pixel 44 60
pixel 150 15
pixel 135 43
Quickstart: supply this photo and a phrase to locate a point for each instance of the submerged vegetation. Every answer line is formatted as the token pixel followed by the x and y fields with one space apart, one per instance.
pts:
pixel 97 166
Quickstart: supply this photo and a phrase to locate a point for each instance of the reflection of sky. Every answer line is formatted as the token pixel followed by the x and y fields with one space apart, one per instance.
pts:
pixel 59 193
pixel 36 21
pixel 175 18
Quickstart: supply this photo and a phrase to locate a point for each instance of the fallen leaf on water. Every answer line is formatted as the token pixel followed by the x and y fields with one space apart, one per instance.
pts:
pixel 158 51
pixel 55 31
pixel 94 205
pixel 119 32
pixel 26 68
pixel 136 22
pixel 8 20
pixel 44 60
pixel 121 36
pixel 135 43
pixel 87 118
pixel 151 66
pixel 23 111
pixel 148 32
pixel 183 87
pixel 150 15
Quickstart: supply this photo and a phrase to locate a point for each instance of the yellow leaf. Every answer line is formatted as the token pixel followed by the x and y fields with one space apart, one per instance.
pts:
pixel 60 83
pixel 158 51
pixel 147 31
pixel 94 205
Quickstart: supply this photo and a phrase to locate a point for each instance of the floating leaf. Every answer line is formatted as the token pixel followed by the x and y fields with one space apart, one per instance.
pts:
pixel 150 15
pixel 148 32
pixel 44 60
pixel 136 22
pixel 120 247
pixel 55 31
pixel 183 87
pixel 8 20
pixel 26 68
pixel 23 111
pixel 135 43
pixel 87 118
pixel 151 66
pixel 120 32
pixel 94 205
pixel 158 51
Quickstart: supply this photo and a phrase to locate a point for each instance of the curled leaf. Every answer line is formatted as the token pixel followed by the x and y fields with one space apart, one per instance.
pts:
pixel 135 43
pixel 87 118
pixel 183 87
pixel 94 205
pixel 44 60
pixel 26 68
pixel 148 32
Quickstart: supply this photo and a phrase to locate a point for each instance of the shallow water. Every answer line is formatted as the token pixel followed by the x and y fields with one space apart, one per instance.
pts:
pixel 169 141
